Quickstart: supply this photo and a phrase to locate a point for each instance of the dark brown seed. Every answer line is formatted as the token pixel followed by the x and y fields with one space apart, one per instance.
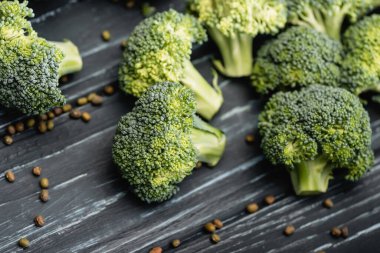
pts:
pixel 19 127
pixel 58 111
pixel 43 117
pixel 252 208
pixel 67 107
pixel 50 115
pixel 8 140
pixel 50 125
pixel 44 195
pixel 24 243
pixel 82 101
pixel 11 129
pixel 249 138
pixel 130 4
pixel 39 221
pixel 109 90
pixel 156 250
pixel 75 114
pixel 42 127
pixel 86 117
pixel 289 230
pixel 97 100
pixel 198 165
pixel 30 123
pixel 44 183
pixel 106 35
pixel 335 232
pixel 209 227
pixel 215 238
pixel 36 171
pixel 176 243
pixel 64 79
pixel 344 231
pixel 328 203
pixel 269 199
pixel 10 176
pixel 218 223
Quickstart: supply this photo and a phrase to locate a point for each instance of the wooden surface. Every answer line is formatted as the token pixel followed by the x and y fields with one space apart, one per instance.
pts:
pixel 92 210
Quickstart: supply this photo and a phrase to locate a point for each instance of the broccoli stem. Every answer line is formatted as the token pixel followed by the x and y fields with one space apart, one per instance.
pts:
pixel 311 177
pixel 333 24
pixel 209 141
pixel 236 53
pixel 209 100
pixel 72 61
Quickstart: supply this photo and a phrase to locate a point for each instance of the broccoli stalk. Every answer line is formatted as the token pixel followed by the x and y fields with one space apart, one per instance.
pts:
pixel 311 177
pixel 72 61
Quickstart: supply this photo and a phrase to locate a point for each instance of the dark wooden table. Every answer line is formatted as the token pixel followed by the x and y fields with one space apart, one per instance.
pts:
pixel 92 210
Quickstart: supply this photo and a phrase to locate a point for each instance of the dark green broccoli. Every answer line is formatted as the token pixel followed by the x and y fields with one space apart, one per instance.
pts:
pixel 314 131
pixel 30 65
pixel 299 57
pixel 158 144
pixel 159 50
pixel 234 24
pixel 327 16
pixel 361 66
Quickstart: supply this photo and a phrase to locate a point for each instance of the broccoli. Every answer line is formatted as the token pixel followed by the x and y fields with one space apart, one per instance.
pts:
pixel 361 65
pixel 313 131
pixel 233 26
pixel 30 65
pixel 327 16
pixel 158 144
pixel 299 57
pixel 159 50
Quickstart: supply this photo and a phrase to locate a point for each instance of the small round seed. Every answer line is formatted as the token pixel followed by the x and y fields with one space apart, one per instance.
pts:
pixel 269 199
pixel 42 127
pixel 24 243
pixel 106 35
pixel 86 117
pixel 57 111
pixel 75 114
pixel 328 203
pixel 30 123
pixel 109 90
pixel 11 129
pixel 249 138
pixel 252 208
pixel 50 125
pixel 67 108
pixel 344 231
pixel 50 115
pixel 8 140
pixel 156 250
pixel 176 243
pixel 130 4
pixel 124 44
pixel 10 176
pixel 97 100
pixel 82 101
pixel 218 223
pixel 39 221
pixel 215 238
pixel 43 117
pixel 91 96
pixel 209 227
pixel 322 251
pixel 44 195
pixel 64 79
pixel 335 232
pixel 44 183
pixel 36 171
pixel 19 127
pixel 198 165
pixel 289 230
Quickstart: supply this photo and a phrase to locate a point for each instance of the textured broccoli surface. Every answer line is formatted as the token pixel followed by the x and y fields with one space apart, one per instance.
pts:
pixel 313 131
pixel 233 26
pixel 159 50
pixel 361 66
pixel 158 144
pixel 30 66
pixel 299 57
pixel 327 16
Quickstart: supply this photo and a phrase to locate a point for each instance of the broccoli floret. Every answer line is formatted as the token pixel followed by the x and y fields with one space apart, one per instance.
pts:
pixel 299 57
pixel 314 131
pixel 158 144
pixel 233 26
pixel 327 16
pixel 159 50
pixel 361 66
pixel 30 65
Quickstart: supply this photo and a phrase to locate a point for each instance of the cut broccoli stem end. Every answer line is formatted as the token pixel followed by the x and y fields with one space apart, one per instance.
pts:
pixel 311 177
pixel 209 100
pixel 209 141
pixel 72 61
pixel 236 53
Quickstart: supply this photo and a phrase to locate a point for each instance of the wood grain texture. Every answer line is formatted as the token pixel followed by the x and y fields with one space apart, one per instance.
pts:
pixel 92 210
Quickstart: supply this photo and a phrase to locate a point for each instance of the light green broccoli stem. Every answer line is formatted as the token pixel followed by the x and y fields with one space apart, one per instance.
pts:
pixel 209 141
pixel 72 61
pixel 311 177
pixel 334 22
pixel 209 99
pixel 236 53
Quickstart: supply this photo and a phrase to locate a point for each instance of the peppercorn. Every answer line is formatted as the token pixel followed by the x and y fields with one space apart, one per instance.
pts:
pixel 124 44
pixel 19 127
pixel 75 114
pixel 82 101
pixel 328 203
pixel 42 127
pixel 209 227
pixel 36 171
pixel 39 221
pixel 130 4
pixel 218 223
pixel 50 125
pixel 30 123
pixel 11 129
pixel 86 117
pixel 269 199
pixel 24 243
pixel 67 107
pixel 44 195
pixel 156 250
pixel 106 35
pixel 64 79
pixel 335 232
pixel 109 90
pixel 249 138
pixel 344 231
pixel 215 238
pixel 58 111
pixel 10 176
pixel 8 140
pixel 198 165
pixel 97 100
pixel 252 208
pixel 176 243
pixel 44 183
pixel 289 230
pixel 43 117
pixel 51 115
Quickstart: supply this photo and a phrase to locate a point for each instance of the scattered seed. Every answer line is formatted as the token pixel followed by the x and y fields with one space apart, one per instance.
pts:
pixel 147 9
pixel 215 238
pixel 64 79
pixel 82 101
pixel 124 44
pixel 11 129
pixel 39 221
pixel 328 203
pixel 67 107
pixel 269 199
pixel 8 140
pixel 176 243
pixel 109 90
pixel 24 243
pixel 218 223
pixel 91 96
pixel 51 115
pixel 97 100
pixel 19 127
pixel 30 123
pixel 209 227
pixel 249 138
pixel 43 117
pixel 156 250
pixel 44 183
pixel 42 127
pixel 36 171
pixel 198 165
pixel 10 176
pixel 130 4
pixel 86 117
pixel 75 114
pixel 322 251
pixel 344 231
pixel 57 111
pixel 252 208
pixel 289 230
pixel 44 195
pixel 50 125
pixel 335 232
pixel 106 35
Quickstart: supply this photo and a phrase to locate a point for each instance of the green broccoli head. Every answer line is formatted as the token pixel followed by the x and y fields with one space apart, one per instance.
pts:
pixel 158 144
pixel 361 66
pixel 159 50
pixel 313 131
pixel 30 65
pixel 234 24
pixel 327 16
pixel 299 57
